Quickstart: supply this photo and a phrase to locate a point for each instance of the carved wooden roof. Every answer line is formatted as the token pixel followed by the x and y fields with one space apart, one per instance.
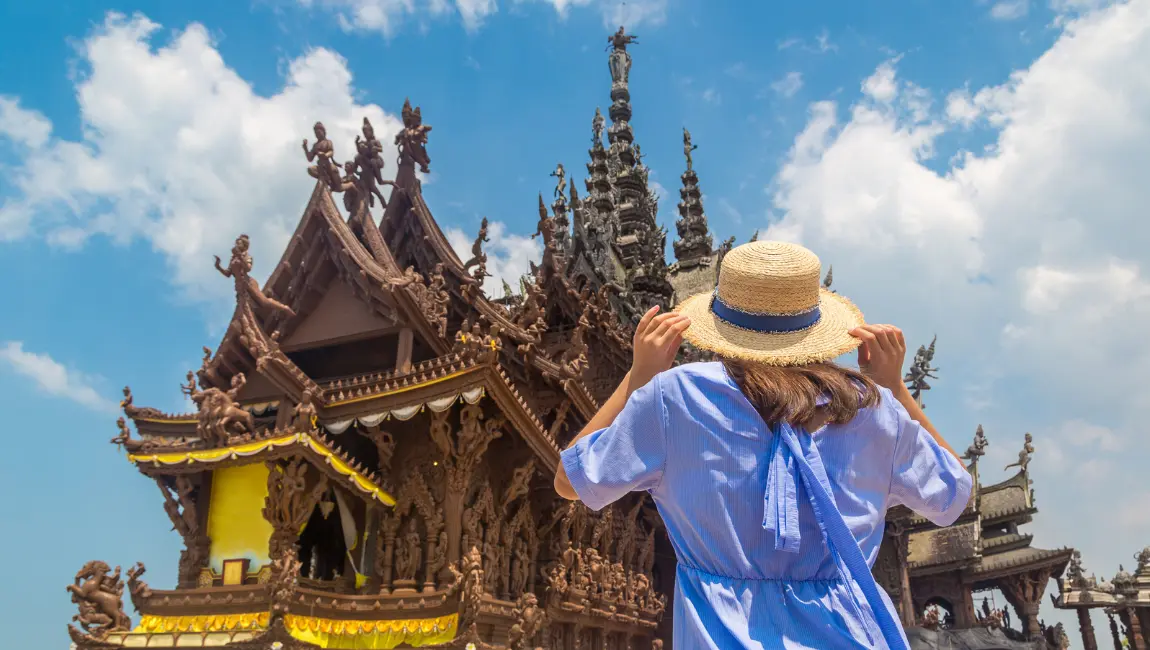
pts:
pixel 311 445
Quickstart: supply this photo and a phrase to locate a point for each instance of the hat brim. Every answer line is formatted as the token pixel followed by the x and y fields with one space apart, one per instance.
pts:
pixel 825 340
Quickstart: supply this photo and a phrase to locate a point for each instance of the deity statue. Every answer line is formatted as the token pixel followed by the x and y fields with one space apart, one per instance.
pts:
pixel 439 559
pixel 408 552
pixel 977 449
pixel 304 413
pixel 574 358
pixel 827 281
pixel 619 62
pixel 350 185
pixel 597 127
pixel 545 227
pixel 410 277
pixel 1143 559
pixel 561 183
pixel 325 169
pixel 478 259
pixel 520 567
pixel 472 588
pixel 529 621
pixel 1024 455
pixel 688 147
pixel 920 371
pixel 247 289
pixel 126 441
pixel 412 139
pixel 220 415
pixel 98 591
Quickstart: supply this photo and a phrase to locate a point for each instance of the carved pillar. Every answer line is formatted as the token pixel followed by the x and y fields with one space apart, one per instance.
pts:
pixel 966 617
pixel 389 526
pixel 186 505
pixel 403 350
pixel 461 454
pixel 1135 637
pixel 1024 591
pixel 1089 641
pixel 1143 616
pixel 1114 631
pixel 901 538
pixel 371 547
pixel 289 504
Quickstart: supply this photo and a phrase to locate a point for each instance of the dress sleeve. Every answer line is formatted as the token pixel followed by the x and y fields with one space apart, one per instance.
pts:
pixel 926 478
pixel 625 457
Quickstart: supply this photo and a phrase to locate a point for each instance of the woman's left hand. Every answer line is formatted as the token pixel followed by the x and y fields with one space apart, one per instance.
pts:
pixel 656 343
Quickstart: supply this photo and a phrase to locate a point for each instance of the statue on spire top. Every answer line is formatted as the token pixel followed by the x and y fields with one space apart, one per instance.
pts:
pixel 688 147
pixel 412 138
pixel 561 183
pixel 620 61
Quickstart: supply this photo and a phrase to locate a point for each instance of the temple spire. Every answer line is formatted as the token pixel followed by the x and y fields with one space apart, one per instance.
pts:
pixel 638 237
pixel 598 211
pixel 694 242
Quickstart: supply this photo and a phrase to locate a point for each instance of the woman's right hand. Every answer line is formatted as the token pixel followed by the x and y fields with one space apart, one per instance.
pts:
pixel 657 340
pixel 881 354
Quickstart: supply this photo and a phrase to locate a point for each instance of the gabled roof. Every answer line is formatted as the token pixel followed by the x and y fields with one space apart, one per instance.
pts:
pixel 322 251
pixel 322 231
pixel 379 395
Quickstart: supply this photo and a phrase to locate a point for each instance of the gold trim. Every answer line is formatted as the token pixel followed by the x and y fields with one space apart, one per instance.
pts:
pixel 150 624
pixel 405 389
pixel 253 448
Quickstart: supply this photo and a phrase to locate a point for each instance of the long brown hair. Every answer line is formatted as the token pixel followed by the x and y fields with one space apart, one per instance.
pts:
pixel 790 394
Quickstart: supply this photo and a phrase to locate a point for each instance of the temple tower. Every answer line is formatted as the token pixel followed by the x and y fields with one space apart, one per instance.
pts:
pixel 694 242
pixel 640 240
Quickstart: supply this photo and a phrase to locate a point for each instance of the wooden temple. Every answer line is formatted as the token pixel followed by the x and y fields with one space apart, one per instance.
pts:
pixel 371 458
pixel 1125 599
pixel 940 577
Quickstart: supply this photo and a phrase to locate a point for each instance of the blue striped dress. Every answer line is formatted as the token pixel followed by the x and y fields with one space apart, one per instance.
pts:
pixel 774 531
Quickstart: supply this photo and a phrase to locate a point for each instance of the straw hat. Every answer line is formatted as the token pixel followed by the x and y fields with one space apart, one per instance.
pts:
pixel 770 307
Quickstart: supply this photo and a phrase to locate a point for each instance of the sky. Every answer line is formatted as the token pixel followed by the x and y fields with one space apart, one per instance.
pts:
pixel 973 170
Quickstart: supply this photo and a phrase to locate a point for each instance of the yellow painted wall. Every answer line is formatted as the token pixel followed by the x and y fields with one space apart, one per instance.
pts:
pixel 236 524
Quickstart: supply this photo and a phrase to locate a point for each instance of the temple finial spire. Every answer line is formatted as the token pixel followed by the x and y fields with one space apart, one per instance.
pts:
pixel 694 242
pixel 638 237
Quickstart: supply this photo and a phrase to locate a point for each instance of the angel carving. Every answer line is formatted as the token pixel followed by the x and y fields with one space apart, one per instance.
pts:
pixel 412 139
pixel 247 289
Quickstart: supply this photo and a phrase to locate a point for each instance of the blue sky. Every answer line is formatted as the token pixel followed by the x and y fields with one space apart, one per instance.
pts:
pixel 968 167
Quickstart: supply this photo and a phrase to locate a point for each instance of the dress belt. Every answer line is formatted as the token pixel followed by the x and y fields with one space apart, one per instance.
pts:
pixel 794 458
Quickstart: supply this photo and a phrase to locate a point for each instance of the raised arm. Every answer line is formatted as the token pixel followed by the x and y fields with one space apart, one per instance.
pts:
pixel 880 358
pixel 657 340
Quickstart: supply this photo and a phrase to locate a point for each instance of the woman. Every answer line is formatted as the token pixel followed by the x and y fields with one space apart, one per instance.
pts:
pixel 773 468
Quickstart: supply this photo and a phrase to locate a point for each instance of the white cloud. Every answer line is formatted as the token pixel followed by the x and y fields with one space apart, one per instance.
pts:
pixel 388 16
pixel 1028 256
pixel 790 84
pixel 509 256
pixel 1009 9
pixel 51 377
pixel 881 86
pixel 176 148
pixel 22 127
pixel 712 96
pixel 821 45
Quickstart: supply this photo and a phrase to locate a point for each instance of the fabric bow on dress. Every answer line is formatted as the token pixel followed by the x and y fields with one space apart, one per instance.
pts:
pixel 794 458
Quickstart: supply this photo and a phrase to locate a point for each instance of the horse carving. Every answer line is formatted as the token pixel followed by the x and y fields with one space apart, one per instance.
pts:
pixel 99 593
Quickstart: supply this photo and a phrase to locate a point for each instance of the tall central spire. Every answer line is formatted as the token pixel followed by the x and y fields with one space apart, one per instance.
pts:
pixel 640 240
